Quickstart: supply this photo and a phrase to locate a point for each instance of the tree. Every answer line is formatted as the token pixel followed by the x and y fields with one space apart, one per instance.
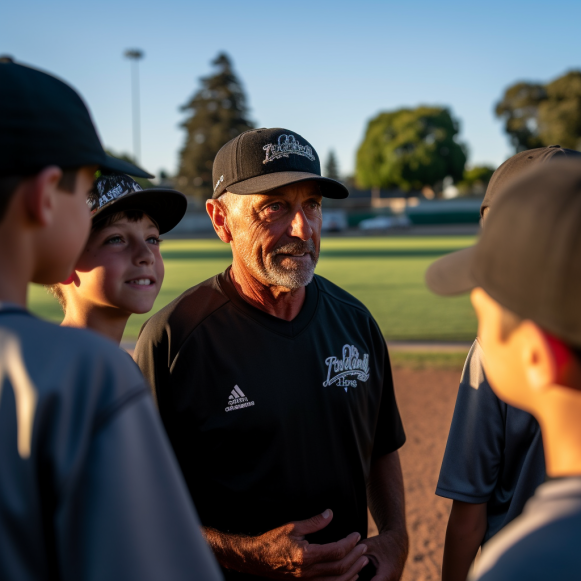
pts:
pixel 410 149
pixel 218 113
pixel 535 114
pixel 332 167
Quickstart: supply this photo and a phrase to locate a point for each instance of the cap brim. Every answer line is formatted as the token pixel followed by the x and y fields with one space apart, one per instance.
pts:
pixel 266 183
pixel 452 274
pixel 165 207
pixel 121 166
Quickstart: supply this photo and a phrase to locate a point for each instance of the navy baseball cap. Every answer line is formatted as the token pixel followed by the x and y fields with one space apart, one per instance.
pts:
pixel 114 193
pixel 261 160
pixel 43 121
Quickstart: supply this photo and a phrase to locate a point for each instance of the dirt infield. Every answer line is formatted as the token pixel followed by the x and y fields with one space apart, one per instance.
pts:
pixel 426 400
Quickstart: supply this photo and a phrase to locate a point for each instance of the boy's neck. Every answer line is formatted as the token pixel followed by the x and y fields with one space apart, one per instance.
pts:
pixel 15 268
pixel 561 430
pixel 104 320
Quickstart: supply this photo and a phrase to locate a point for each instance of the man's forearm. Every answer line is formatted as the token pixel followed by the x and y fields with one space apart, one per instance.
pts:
pixel 385 494
pixel 231 551
pixel 386 499
pixel 466 529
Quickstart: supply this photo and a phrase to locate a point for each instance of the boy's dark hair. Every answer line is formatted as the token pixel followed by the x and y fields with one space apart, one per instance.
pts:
pixel 9 184
pixel 132 215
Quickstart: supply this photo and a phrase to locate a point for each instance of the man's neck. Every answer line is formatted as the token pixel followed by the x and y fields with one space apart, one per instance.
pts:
pixel 106 321
pixel 561 431
pixel 277 301
pixel 16 268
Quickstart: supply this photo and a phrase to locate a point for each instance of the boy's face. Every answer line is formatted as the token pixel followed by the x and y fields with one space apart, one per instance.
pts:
pixel 60 243
pixel 121 266
pixel 505 360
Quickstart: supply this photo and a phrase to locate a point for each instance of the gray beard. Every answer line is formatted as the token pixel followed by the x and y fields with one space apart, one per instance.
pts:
pixel 295 276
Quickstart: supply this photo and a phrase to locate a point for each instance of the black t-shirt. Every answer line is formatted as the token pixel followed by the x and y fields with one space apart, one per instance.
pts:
pixel 273 420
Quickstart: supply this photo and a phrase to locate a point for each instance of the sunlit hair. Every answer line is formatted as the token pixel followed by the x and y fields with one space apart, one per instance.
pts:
pixel 56 290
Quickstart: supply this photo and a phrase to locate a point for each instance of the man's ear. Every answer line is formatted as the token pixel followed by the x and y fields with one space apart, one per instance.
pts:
pixel 217 214
pixel 540 363
pixel 39 195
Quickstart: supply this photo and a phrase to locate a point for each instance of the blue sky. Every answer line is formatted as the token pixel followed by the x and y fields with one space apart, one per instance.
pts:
pixel 321 68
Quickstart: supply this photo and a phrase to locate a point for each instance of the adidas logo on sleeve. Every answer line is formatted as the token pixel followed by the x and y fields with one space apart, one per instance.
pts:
pixel 237 400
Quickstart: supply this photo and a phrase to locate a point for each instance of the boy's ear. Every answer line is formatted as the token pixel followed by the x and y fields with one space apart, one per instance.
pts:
pixel 39 195
pixel 542 364
pixel 218 216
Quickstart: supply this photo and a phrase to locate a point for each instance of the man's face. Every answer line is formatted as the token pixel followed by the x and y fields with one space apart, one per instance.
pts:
pixel 504 362
pixel 121 266
pixel 277 235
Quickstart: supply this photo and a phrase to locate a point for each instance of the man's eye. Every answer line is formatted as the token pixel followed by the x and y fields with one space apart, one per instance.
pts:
pixel 274 207
pixel 154 240
pixel 114 240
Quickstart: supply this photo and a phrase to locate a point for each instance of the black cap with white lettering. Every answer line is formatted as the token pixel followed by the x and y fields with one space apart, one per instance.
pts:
pixel 118 193
pixel 261 160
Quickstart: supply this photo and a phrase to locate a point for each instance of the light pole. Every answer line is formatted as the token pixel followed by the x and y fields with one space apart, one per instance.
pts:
pixel 134 55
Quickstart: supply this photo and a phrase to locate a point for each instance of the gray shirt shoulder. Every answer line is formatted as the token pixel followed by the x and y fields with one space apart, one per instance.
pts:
pixel 89 487
pixel 543 543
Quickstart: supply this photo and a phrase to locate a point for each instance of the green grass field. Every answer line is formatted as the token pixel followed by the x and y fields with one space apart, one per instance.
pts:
pixel 386 274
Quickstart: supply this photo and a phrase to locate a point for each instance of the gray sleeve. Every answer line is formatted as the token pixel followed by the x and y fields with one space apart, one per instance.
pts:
pixel 474 451
pixel 130 515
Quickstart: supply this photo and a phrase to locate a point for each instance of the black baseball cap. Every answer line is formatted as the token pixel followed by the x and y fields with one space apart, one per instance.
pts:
pixel 528 256
pixel 261 160
pixel 114 193
pixel 43 121
pixel 517 164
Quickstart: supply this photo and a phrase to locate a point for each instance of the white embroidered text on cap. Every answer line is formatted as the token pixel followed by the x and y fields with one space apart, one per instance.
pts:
pixel 287 144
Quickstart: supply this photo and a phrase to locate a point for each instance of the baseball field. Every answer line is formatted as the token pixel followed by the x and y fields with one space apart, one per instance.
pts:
pixel 385 273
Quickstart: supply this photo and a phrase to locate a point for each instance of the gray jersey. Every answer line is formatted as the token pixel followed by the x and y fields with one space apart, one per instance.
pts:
pixel 89 488
pixel 541 544
pixel 494 452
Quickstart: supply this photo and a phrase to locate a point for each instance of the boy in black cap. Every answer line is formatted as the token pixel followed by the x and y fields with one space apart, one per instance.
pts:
pixel 120 272
pixel 89 488
pixel 494 456
pixel 526 276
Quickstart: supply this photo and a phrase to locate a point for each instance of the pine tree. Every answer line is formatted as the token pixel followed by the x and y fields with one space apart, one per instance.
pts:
pixel 332 167
pixel 218 113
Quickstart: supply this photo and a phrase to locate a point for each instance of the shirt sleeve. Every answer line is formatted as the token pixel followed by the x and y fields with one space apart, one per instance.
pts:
pixel 389 434
pixel 130 515
pixel 152 356
pixel 474 451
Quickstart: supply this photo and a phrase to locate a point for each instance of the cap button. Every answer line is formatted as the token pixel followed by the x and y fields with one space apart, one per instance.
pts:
pixel 557 146
pixel 6 59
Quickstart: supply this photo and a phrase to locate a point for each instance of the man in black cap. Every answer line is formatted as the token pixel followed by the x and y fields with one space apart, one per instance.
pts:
pixel 494 456
pixel 89 486
pixel 275 385
pixel 526 279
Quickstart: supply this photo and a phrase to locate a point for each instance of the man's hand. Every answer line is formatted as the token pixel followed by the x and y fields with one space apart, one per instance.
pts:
pixel 284 552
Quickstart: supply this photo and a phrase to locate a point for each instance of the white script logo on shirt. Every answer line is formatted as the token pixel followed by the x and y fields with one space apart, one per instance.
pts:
pixel 346 371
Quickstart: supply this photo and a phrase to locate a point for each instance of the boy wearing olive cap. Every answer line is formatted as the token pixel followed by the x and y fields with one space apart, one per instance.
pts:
pixel 526 279
pixel 494 457
pixel 89 487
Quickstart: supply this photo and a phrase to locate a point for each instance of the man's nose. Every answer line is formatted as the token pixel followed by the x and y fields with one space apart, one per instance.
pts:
pixel 300 227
